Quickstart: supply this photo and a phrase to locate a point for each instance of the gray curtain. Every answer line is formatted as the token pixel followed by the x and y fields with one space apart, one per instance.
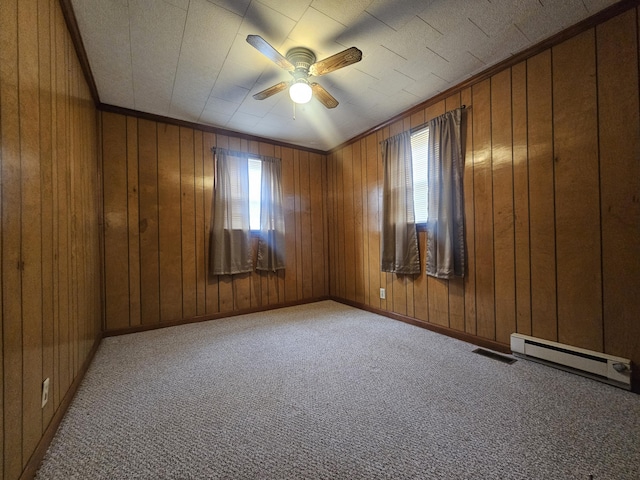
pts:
pixel 445 224
pixel 271 242
pixel 230 245
pixel 399 247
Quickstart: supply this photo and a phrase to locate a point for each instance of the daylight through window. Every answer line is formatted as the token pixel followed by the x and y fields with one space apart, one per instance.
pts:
pixel 255 188
pixel 419 154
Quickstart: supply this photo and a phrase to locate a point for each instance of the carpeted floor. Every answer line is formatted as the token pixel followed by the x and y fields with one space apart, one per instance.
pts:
pixel 329 391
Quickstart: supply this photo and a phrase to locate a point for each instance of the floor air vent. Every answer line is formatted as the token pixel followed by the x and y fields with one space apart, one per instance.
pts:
pixel 599 366
pixel 494 356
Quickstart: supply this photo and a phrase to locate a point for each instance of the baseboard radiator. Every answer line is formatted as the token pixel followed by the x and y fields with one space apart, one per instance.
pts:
pixel 599 366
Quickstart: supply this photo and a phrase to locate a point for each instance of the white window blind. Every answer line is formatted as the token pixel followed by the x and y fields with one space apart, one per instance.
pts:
pixel 255 188
pixel 420 154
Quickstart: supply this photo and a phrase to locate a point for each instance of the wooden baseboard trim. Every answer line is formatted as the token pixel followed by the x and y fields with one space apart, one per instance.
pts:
pixel 213 316
pixel 36 458
pixel 449 332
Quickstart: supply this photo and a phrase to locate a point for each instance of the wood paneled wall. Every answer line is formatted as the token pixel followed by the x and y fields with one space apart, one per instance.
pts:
pixel 50 291
pixel 552 203
pixel 158 181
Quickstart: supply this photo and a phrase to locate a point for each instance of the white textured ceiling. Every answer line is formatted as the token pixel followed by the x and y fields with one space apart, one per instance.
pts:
pixel 189 60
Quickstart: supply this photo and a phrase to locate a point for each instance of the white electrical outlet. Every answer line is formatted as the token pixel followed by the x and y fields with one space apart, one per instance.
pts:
pixel 383 293
pixel 45 392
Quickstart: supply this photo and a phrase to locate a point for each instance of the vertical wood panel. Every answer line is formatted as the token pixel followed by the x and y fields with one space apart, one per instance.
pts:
pixel 64 377
pixel 325 214
pixel 305 208
pixel 78 233
pixel 358 271
pixel 55 395
pixel 298 216
pixel 521 197
pixel 188 230
pixel 133 221
pixel 201 254
pixel 365 222
pixel 11 241
pixel 619 125
pixel 577 209
pixel 72 212
pixel 503 228
pixel 470 323
pixel 328 199
pixel 341 215
pixel 334 253
pixel 339 231
pixel 149 247
pixel 169 223
pixel 483 210
pixel 114 176
pixel 541 193
pixel 317 225
pixel 349 263
pixel 331 222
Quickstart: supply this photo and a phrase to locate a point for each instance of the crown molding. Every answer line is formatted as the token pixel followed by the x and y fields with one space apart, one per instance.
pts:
pixel 205 128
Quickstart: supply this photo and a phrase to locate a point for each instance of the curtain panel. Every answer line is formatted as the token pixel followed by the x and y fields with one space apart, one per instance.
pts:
pixel 445 224
pixel 271 246
pixel 399 248
pixel 230 242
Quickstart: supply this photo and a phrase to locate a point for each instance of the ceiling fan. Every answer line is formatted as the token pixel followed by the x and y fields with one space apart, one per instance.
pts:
pixel 301 63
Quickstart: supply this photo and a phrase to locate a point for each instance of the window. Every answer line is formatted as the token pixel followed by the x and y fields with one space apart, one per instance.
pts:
pixel 420 154
pixel 255 191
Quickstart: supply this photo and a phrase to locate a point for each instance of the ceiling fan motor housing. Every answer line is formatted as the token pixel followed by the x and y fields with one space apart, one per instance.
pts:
pixel 301 58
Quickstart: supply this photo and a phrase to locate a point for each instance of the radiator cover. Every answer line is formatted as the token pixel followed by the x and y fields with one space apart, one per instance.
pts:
pixel 600 366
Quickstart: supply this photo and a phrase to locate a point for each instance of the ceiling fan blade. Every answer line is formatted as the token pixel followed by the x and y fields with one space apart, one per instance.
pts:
pixel 266 93
pixel 334 62
pixel 268 51
pixel 323 96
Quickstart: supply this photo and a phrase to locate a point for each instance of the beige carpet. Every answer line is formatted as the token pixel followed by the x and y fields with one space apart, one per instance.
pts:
pixel 329 391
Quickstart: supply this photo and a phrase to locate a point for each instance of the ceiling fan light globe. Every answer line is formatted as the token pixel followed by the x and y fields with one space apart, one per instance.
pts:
pixel 300 92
